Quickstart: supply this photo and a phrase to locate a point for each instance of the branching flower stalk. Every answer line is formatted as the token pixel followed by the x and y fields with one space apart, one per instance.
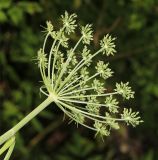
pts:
pixel 69 83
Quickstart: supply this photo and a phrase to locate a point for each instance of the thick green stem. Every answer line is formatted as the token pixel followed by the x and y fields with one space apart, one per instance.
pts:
pixel 24 121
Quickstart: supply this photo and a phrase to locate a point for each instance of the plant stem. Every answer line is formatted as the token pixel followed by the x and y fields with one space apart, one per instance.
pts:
pixel 25 120
pixel 7 157
pixel 50 57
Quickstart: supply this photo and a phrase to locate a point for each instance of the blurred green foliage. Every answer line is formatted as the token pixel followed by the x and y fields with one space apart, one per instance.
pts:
pixel 135 25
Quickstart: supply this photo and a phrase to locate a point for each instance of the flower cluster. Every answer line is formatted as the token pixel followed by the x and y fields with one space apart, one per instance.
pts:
pixel 77 85
pixel 131 117
pixel 111 104
pixel 41 57
pixel 103 69
pixel 86 32
pixel 69 22
pixel 107 44
pixel 86 55
pixel 124 90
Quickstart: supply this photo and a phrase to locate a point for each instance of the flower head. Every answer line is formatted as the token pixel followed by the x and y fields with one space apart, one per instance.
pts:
pixel 131 117
pixel 101 129
pixel 42 60
pixel 86 32
pixel 98 86
pixel 69 22
pixel 77 85
pixel 86 56
pixel 107 44
pixel 124 90
pixel 112 104
pixel 49 27
pixel 103 69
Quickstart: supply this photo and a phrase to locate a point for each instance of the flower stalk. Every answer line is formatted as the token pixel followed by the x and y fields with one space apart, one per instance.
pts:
pixel 24 121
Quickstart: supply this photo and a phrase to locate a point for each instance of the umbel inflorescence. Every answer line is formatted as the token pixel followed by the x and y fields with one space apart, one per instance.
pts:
pixel 78 91
pixel 80 94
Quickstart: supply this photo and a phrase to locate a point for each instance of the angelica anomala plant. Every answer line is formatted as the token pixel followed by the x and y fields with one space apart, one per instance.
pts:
pixel 69 83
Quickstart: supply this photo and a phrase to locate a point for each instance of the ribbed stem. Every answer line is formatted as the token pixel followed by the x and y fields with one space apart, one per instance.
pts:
pixel 25 120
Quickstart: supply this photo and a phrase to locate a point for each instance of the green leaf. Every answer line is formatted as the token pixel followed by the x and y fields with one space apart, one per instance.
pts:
pixel 30 7
pixel 4 4
pixel 16 14
pixel 3 17
pixel 37 125
pixel 10 110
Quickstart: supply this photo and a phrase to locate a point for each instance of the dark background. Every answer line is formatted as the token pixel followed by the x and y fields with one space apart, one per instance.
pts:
pixel 48 137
